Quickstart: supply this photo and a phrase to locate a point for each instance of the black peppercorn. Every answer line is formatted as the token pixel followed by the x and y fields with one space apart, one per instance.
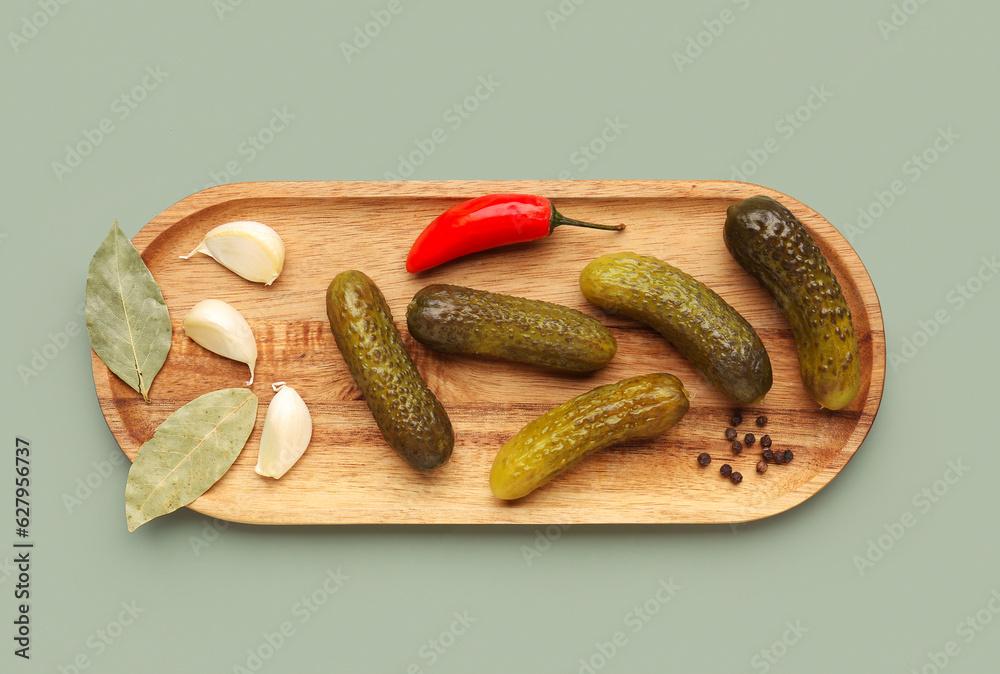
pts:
pixel 762 466
pixel 704 459
pixel 736 419
pixel 788 456
pixel 737 447
pixel 749 439
pixel 779 458
pixel 762 421
pixel 726 470
pixel 768 455
pixel 765 441
pixel 736 478
pixel 730 434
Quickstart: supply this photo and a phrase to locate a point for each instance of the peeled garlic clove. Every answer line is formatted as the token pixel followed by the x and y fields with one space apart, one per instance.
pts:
pixel 251 249
pixel 221 329
pixel 286 434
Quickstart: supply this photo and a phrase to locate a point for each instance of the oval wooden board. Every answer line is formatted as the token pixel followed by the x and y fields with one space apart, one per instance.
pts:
pixel 349 475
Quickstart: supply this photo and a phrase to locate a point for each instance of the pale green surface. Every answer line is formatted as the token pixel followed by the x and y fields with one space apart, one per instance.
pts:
pixel 738 587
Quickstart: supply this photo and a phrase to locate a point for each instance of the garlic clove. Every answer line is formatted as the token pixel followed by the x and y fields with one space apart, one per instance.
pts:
pixel 221 329
pixel 286 434
pixel 251 249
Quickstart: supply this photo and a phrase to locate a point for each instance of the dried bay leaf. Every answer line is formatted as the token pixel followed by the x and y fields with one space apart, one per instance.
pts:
pixel 127 319
pixel 188 453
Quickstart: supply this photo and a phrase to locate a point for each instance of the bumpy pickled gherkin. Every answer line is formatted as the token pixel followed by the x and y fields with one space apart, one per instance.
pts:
pixel 640 407
pixel 773 246
pixel 475 322
pixel 410 417
pixel 717 340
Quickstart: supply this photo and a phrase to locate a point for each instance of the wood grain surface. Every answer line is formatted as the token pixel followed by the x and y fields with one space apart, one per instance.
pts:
pixel 349 474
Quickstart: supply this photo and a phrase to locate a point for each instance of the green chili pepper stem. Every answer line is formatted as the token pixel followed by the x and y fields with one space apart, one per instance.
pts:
pixel 560 219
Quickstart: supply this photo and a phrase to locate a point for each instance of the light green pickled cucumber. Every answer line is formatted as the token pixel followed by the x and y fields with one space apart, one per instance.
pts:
pixel 410 417
pixel 640 407
pixel 475 322
pixel 773 246
pixel 717 340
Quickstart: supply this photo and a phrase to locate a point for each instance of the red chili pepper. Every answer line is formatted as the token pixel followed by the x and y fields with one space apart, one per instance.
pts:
pixel 487 222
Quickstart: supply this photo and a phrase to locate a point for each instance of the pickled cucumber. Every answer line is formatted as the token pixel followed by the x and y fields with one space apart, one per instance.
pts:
pixel 640 407
pixel 475 322
pixel 773 246
pixel 717 340
pixel 410 417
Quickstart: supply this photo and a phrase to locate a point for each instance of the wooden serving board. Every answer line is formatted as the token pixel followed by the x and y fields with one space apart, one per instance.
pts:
pixel 350 475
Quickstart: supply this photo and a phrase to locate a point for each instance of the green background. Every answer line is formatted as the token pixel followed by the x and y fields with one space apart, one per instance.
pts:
pixel 224 68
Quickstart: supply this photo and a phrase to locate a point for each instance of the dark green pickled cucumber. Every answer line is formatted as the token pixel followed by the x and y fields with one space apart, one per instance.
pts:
pixel 773 246
pixel 475 322
pixel 640 407
pixel 410 417
pixel 717 340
